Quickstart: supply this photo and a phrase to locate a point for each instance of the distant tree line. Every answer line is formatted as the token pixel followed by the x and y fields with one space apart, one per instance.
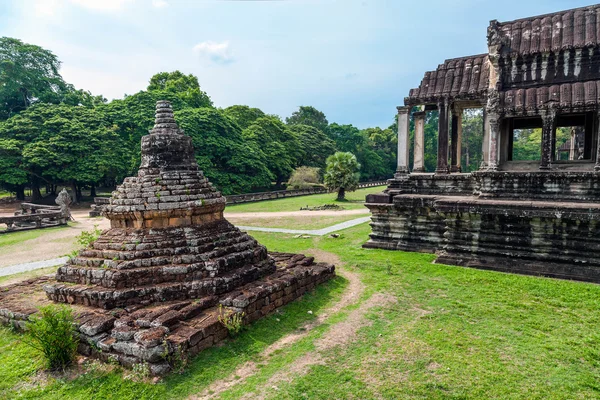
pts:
pixel 52 134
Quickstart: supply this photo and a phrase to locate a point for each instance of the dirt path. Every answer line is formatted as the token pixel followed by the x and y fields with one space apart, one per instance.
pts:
pixel 304 213
pixel 52 244
pixel 348 330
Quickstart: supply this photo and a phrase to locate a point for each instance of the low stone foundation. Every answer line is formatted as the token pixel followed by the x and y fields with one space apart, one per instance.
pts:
pixel 160 334
pixel 555 239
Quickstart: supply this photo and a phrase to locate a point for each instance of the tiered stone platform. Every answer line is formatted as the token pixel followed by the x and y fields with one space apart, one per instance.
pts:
pixel 159 333
pixel 148 289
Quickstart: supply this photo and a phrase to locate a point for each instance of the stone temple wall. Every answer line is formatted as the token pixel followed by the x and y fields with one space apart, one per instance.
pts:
pixel 544 223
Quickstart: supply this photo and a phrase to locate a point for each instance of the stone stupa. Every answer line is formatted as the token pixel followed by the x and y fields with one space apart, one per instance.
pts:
pixel 168 238
pixel 150 288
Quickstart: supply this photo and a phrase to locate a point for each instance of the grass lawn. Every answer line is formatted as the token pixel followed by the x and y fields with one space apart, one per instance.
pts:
pixel 316 222
pixel 353 200
pixel 12 238
pixel 453 333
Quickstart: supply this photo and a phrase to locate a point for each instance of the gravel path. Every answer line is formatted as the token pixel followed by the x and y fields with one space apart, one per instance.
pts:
pixel 316 232
pixel 16 269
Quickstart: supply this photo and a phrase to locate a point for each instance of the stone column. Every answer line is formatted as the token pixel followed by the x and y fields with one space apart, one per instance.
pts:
pixel 419 151
pixel 403 115
pixel 442 153
pixel 485 150
pixel 597 166
pixel 548 132
pixel 493 136
pixel 456 140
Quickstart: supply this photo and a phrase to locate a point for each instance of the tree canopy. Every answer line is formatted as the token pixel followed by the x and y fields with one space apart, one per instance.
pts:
pixel 186 87
pixel 28 74
pixel 54 134
pixel 244 116
pixel 307 115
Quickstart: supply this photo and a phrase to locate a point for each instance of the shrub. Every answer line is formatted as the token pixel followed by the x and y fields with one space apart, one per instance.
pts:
pixel 231 320
pixel 304 178
pixel 52 331
pixel 86 238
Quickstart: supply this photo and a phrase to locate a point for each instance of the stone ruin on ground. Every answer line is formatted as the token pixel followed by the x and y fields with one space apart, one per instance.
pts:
pixel 149 289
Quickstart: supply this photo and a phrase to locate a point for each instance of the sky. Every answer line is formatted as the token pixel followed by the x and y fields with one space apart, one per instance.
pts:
pixel 355 60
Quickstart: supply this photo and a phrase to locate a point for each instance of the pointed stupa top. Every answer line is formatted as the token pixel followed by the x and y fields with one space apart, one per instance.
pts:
pixel 164 121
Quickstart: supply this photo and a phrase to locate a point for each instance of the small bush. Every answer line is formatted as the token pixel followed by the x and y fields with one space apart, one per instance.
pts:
pixel 86 238
pixel 52 331
pixel 231 320
pixel 304 178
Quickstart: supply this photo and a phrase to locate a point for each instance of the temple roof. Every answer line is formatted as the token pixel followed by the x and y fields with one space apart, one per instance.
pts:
pixel 577 95
pixel 458 78
pixel 575 28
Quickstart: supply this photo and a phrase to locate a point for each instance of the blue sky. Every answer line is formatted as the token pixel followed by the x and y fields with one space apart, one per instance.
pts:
pixel 353 59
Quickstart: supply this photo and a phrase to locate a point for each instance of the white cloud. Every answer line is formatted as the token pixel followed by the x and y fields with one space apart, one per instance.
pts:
pixel 101 5
pixel 159 4
pixel 219 53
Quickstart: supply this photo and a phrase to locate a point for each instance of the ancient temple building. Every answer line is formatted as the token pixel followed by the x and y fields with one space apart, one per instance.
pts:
pixel 151 289
pixel 535 217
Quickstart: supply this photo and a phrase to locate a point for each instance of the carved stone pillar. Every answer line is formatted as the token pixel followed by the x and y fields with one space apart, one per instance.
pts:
pixel 442 153
pixel 494 135
pixel 403 122
pixel 597 166
pixel 548 132
pixel 456 140
pixel 419 150
pixel 485 146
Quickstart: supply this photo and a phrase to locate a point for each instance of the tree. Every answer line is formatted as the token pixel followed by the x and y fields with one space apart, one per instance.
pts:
pixel 233 164
pixel 28 74
pixel 342 173
pixel 244 116
pixel 61 144
pixel 315 146
pixel 279 145
pixel 186 87
pixel 307 115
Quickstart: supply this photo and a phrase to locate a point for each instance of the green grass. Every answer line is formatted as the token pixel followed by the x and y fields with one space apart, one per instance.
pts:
pixel 12 238
pixel 353 200
pixel 454 333
pixel 4 193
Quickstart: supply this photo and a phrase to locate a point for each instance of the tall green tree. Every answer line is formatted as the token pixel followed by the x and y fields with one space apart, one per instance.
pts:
pixel 28 74
pixel 62 144
pixel 233 164
pixel 308 115
pixel 342 173
pixel 244 116
pixel 279 145
pixel 186 87
pixel 315 146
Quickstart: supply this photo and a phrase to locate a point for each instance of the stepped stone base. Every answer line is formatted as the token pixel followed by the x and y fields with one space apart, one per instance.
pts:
pixel 161 333
pixel 555 239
